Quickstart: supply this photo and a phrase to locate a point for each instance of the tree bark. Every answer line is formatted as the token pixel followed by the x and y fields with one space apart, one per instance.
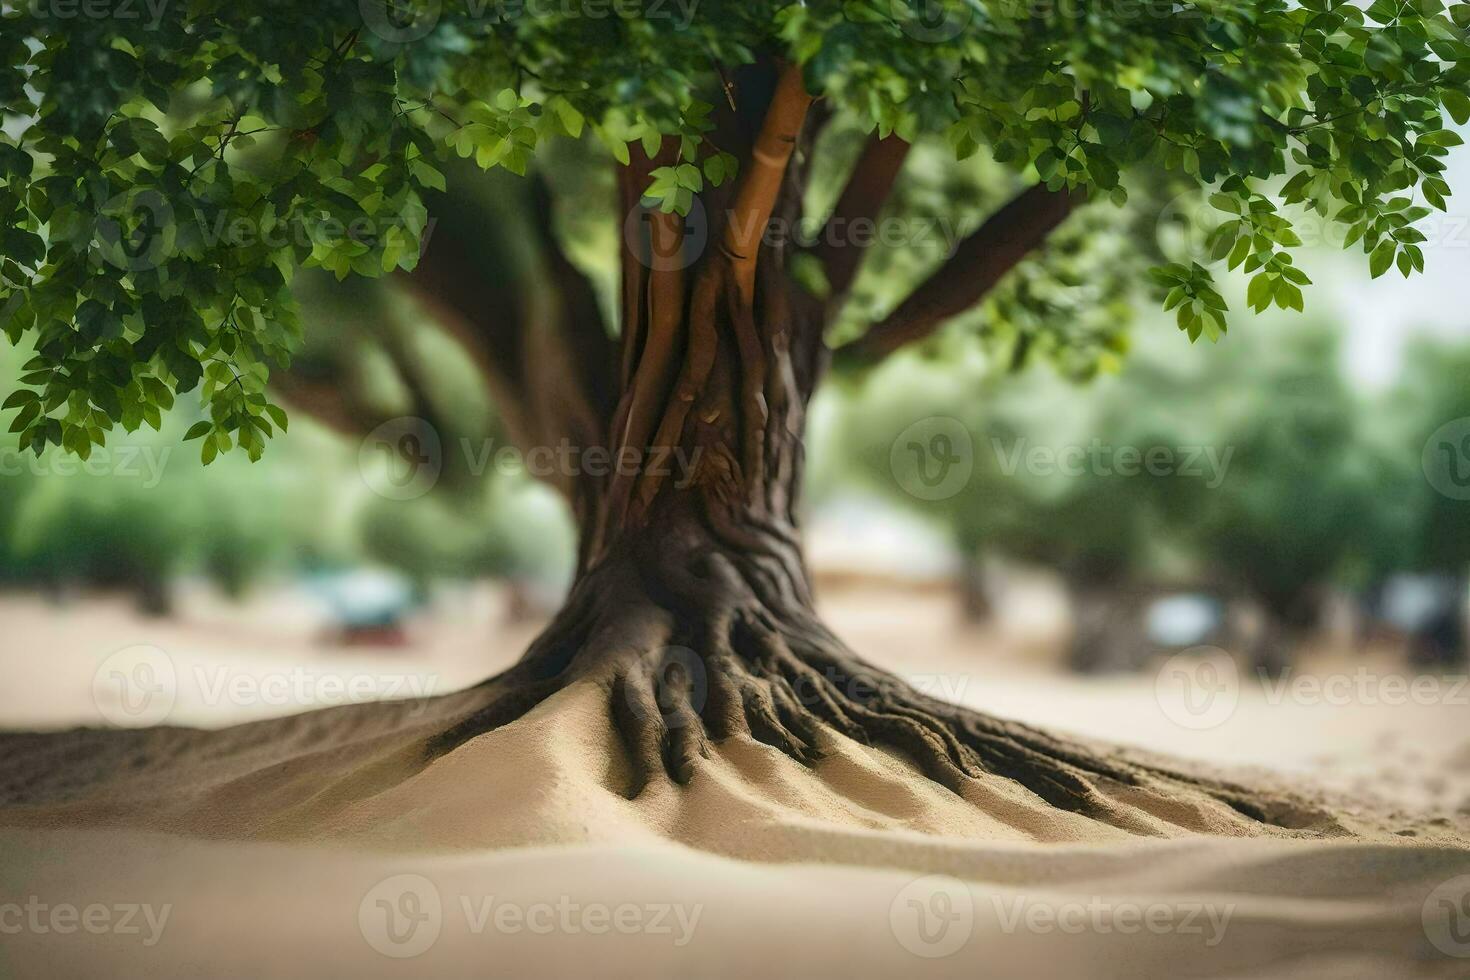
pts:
pixel 692 607
pixel 698 623
pixel 974 586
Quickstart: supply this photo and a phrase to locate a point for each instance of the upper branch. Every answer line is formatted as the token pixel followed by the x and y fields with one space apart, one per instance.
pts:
pixel 761 183
pixel 531 324
pixel 981 260
pixel 867 191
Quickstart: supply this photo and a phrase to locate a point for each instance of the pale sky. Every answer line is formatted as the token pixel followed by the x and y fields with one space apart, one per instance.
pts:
pixel 1380 315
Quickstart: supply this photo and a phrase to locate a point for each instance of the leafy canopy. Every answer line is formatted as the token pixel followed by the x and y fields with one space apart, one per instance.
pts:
pixel 177 161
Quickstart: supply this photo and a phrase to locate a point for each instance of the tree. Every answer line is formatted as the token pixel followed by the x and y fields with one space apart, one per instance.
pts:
pixel 1276 489
pixel 144 139
pixel 1303 508
pixel 1432 406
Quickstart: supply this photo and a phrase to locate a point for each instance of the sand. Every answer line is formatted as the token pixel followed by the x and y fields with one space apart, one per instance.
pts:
pixel 327 844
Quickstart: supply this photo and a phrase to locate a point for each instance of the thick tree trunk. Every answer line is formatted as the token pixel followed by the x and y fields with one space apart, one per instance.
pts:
pixel 975 589
pixel 693 609
pixel 699 626
pixel 694 612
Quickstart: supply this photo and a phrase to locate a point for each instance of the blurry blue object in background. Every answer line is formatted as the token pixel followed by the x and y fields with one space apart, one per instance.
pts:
pixel 1184 620
pixel 367 606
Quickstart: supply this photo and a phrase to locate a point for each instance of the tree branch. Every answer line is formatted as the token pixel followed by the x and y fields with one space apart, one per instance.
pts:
pixel 760 185
pixel 499 283
pixel 999 245
pixel 863 198
pixel 581 335
pixel 632 181
pixel 329 401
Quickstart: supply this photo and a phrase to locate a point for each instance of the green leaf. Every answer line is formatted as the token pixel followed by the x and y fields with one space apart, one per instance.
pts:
pixel 1225 202
pixel 14 162
pixel 1457 103
pixel 1381 259
pixel 1443 137
pixel 571 120
pixel 1260 292
pixel 22 396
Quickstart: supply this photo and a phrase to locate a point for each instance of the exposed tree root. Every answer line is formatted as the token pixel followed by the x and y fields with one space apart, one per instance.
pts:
pixel 695 644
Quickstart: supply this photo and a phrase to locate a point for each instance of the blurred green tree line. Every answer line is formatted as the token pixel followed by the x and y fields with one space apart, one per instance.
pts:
pixel 1256 470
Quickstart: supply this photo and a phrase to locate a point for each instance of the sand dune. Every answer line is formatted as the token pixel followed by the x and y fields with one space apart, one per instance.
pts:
pixel 1199 908
pixel 280 847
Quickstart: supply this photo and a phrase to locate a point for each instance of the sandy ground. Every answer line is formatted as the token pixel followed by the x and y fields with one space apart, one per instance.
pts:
pixel 1356 722
pixel 319 845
